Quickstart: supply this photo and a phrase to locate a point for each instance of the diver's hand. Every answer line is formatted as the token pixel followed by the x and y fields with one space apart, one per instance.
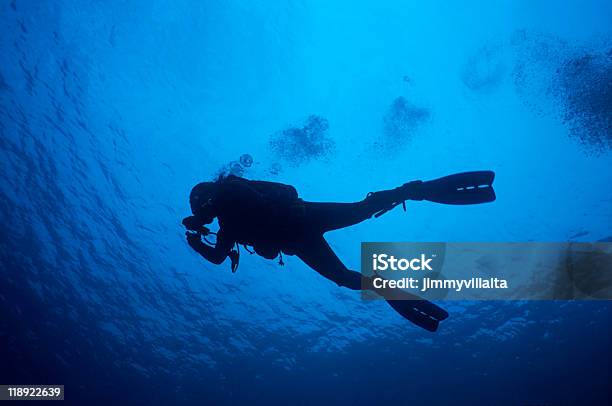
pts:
pixel 234 257
pixel 192 223
pixel 194 239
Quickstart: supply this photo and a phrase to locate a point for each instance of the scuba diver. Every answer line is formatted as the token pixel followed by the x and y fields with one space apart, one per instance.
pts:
pixel 273 220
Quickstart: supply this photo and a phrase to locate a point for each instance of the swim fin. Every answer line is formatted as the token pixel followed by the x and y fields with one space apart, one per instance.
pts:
pixel 461 188
pixel 419 311
pixel 408 310
pixel 458 189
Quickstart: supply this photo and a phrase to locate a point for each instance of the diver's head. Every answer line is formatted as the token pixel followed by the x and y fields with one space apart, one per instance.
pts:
pixel 201 201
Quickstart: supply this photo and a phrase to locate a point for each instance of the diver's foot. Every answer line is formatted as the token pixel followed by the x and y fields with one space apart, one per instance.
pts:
pixel 411 191
pixel 408 191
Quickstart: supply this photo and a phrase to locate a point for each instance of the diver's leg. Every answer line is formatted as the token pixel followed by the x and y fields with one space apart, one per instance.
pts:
pixel 324 217
pixel 317 254
pixel 332 216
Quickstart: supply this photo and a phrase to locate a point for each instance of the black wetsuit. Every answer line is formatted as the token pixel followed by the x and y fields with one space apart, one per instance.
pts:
pixel 273 219
pixel 270 217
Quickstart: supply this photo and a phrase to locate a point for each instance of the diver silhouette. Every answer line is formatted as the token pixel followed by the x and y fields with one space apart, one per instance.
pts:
pixel 272 219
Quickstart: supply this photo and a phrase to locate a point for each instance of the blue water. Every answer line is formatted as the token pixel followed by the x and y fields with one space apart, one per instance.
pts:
pixel 111 111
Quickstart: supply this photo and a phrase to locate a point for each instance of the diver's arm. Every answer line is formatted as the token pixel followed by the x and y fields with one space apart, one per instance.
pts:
pixel 216 254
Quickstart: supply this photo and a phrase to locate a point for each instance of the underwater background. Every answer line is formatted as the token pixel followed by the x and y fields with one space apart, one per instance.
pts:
pixel 110 111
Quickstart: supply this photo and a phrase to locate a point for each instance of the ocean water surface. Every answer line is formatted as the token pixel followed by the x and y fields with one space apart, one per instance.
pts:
pixel 111 111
